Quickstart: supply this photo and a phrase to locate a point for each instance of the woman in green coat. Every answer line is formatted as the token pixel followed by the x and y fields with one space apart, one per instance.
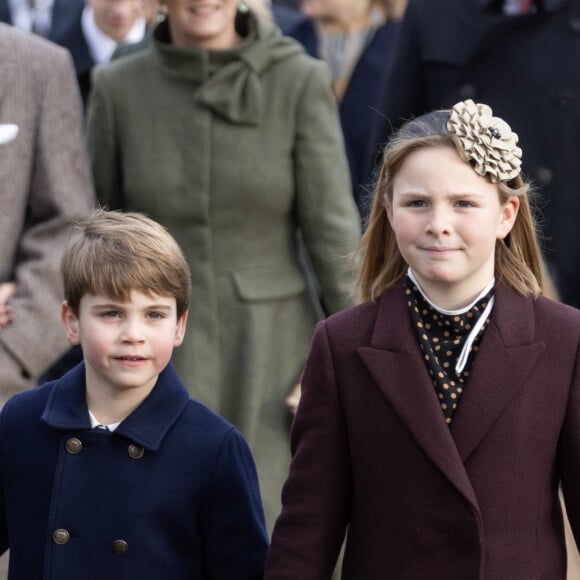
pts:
pixel 227 133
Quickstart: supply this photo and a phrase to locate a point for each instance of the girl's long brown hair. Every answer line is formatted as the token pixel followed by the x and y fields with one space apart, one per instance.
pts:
pixel 518 260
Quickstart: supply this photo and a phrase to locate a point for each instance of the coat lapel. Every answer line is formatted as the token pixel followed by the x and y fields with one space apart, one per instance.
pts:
pixel 507 356
pixel 395 362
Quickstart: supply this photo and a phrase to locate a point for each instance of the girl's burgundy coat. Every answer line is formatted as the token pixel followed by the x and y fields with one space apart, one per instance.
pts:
pixel 372 453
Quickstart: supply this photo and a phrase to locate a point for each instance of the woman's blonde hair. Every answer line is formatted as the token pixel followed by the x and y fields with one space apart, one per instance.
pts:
pixel 518 260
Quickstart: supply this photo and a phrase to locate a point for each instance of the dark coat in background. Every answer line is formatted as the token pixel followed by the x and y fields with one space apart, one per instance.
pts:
pixel 172 493
pixel 64 13
pixel 477 500
pixel 526 68
pixel 73 38
pixel 358 109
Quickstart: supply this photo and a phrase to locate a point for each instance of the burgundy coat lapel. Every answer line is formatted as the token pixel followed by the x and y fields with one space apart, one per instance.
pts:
pixel 507 356
pixel 395 362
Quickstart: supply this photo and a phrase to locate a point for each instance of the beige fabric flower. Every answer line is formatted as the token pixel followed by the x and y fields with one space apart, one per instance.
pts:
pixel 488 141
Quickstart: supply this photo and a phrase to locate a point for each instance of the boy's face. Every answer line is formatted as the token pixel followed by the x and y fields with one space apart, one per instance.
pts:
pixel 125 344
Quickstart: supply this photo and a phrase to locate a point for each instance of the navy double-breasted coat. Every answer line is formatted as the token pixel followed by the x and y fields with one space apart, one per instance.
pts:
pixel 171 493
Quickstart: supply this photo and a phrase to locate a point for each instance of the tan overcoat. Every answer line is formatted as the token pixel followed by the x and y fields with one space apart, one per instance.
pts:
pixel 45 184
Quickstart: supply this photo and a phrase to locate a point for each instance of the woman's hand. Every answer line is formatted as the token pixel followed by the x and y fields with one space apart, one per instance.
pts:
pixel 7 290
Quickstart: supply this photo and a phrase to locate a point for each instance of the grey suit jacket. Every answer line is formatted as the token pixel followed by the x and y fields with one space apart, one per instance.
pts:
pixel 45 184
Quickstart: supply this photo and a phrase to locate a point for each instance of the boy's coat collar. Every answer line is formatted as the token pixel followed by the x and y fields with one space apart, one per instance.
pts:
pixel 147 425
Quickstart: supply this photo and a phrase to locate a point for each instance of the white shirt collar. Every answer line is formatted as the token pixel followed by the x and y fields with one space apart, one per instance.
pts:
pixel 24 17
pixel 465 351
pixel 95 423
pixel 102 46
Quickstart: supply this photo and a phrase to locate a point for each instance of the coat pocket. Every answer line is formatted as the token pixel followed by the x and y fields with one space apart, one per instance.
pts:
pixel 262 285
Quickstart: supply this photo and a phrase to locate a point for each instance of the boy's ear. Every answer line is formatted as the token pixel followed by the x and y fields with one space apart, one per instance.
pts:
pixel 180 328
pixel 70 323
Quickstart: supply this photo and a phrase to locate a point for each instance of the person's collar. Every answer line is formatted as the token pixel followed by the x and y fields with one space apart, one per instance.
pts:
pixel 547 5
pixel 102 46
pixel 146 426
pixel 96 423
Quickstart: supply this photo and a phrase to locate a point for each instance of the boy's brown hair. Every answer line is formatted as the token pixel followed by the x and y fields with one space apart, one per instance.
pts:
pixel 112 253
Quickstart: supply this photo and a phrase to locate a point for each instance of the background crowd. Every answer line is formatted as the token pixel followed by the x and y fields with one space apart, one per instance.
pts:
pixel 253 136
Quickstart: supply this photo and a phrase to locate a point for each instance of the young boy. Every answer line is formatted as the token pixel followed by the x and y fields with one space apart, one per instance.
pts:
pixel 113 471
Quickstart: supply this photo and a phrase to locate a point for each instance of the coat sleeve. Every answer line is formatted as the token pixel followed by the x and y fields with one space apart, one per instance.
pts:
pixel 235 534
pixel 316 497
pixel 405 92
pixel 60 192
pixel 569 453
pixel 102 138
pixel 327 214
pixel 3 524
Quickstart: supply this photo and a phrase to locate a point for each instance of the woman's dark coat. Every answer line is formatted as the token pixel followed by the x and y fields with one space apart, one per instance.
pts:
pixel 526 68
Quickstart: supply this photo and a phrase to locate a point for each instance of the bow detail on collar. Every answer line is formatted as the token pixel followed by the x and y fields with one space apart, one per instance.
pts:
pixel 228 82
pixel 234 93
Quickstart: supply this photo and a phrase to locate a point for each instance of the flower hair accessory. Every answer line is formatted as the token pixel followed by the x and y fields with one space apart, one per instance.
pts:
pixel 488 141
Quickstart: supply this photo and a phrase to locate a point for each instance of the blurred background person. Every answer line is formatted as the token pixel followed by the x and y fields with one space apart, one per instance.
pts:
pixel 99 27
pixel 227 133
pixel 46 185
pixel 355 39
pixel 49 18
pixel 521 59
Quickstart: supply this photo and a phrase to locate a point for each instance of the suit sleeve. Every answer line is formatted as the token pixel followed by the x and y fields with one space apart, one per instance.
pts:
pixel 103 143
pixel 327 214
pixel 236 540
pixel 317 494
pixel 60 192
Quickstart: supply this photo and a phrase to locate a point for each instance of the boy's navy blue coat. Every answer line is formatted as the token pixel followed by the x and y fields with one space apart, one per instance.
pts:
pixel 171 494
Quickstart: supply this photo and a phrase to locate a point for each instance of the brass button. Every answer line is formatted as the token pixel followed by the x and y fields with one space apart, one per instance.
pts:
pixel 136 452
pixel 61 536
pixel 74 445
pixel 120 547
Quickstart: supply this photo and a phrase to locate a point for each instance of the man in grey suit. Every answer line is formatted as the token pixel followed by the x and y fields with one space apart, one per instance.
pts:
pixel 45 185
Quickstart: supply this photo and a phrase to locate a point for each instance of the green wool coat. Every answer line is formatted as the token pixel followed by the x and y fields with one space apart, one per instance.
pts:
pixel 234 152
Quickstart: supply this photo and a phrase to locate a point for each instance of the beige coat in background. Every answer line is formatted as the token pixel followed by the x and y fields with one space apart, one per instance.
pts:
pixel 46 184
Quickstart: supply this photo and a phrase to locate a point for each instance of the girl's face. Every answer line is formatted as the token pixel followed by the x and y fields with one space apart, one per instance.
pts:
pixel 203 23
pixel 446 220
